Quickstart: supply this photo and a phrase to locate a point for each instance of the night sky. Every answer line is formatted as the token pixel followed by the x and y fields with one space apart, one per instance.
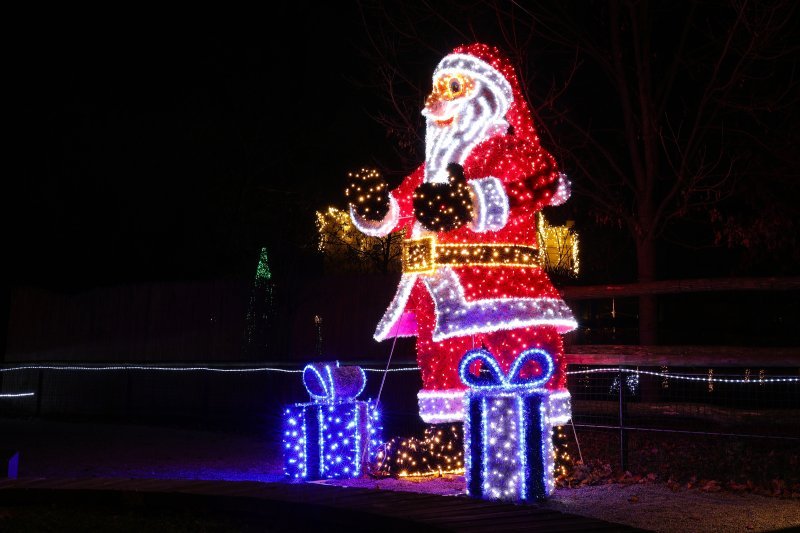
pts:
pixel 156 152
pixel 172 150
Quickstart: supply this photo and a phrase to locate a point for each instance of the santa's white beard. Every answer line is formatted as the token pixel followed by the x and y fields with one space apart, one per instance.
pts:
pixel 476 121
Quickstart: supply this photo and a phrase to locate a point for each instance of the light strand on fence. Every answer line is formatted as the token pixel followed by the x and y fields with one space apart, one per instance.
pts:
pixel 144 367
pixel 177 368
pixel 705 378
pixel 17 395
pixel 664 375
pixel 406 369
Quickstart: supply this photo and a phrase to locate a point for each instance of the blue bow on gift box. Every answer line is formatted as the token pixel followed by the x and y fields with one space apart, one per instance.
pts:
pixel 494 378
pixel 329 382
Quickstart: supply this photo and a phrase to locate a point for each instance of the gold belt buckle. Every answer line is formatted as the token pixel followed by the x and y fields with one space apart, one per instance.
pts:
pixel 419 255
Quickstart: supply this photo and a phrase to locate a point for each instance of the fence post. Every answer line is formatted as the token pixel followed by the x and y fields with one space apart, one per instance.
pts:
pixel 623 436
pixel 128 395
pixel 39 384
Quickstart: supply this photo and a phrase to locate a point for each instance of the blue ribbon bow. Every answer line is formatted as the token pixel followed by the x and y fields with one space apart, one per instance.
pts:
pixel 494 378
pixel 329 382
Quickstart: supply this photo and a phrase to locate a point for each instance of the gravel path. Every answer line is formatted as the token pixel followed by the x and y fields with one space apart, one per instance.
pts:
pixel 650 506
pixel 62 449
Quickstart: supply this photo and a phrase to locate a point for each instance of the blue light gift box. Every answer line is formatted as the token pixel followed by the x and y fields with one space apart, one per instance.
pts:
pixel 508 423
pixel 334 435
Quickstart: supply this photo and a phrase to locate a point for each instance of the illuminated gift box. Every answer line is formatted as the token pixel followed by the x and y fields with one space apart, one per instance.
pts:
pixel 508 426
pixel 334 435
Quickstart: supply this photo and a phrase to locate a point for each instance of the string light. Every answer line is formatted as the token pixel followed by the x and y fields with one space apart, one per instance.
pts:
pixel 687 377
pixel 338 239
pixel 490 211
pixel 260 307
pixel 115 368
pixel 584 380
pixel 631 381
pixel 440 406
pixel 423 394
pixel 439 452
pixel 563 459
pixel 17 395
pixel 559 250
pixel 444 206
pixel 367 194
pixel 424 255
pixel 263 272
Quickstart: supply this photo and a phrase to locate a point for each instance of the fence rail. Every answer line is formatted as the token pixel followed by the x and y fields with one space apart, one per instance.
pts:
pixel 726 404
pixel 683 356
pixel 678 286
pixel 758 399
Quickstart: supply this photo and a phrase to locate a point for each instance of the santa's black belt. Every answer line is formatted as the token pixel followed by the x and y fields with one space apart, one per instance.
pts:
pixel 424 255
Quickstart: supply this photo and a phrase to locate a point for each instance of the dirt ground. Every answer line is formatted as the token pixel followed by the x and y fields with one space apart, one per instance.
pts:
pixel 650 506
pixel 58 449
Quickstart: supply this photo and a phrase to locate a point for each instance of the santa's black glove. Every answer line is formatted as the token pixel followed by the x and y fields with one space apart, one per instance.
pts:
pixel 444 206
pixel 368 193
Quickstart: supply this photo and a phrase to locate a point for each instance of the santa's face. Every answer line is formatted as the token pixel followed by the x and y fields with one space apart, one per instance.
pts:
pixel 451 92
pixel 461 111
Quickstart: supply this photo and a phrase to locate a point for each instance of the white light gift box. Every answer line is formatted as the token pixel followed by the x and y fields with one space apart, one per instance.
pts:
pixel 508 426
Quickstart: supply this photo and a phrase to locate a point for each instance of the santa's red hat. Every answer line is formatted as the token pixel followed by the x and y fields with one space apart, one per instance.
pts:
pixel 495 69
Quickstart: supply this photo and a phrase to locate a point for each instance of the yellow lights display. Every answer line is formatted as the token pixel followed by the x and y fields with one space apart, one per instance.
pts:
pixel 450 86
pixel 345 248
pixel 330 221
pixel 558 248
pixel 444 206
pixel 563 460
pixel 439 452
pixel 367 193
pixel 424 255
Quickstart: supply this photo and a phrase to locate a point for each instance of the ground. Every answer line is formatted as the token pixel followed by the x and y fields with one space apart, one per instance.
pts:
pixel 60 449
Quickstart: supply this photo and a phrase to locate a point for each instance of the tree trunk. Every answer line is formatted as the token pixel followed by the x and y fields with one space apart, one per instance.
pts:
pixel 648 310
pixel 648 305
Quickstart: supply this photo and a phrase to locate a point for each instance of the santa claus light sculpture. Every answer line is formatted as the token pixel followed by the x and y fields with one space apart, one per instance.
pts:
pixel 472 277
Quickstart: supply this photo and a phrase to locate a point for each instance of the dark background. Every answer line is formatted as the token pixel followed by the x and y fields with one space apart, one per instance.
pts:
pixel 155 148
pixel 154 156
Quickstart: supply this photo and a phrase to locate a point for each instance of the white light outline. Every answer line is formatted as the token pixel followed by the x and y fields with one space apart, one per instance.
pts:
pixel 513 378
pixel 465 401
pixel 483 189
pixel 114 368
pixel 321 380
pixel 455 303
pixel 510 381
pixel 477 69
pixel 442 150
pixel 686 377
pixel 441 405
pixel 377 228
pixel 396 307
pixel 523 446
pixel 332 390
pixel 183 369
pixel 305 445
pixel 484 444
